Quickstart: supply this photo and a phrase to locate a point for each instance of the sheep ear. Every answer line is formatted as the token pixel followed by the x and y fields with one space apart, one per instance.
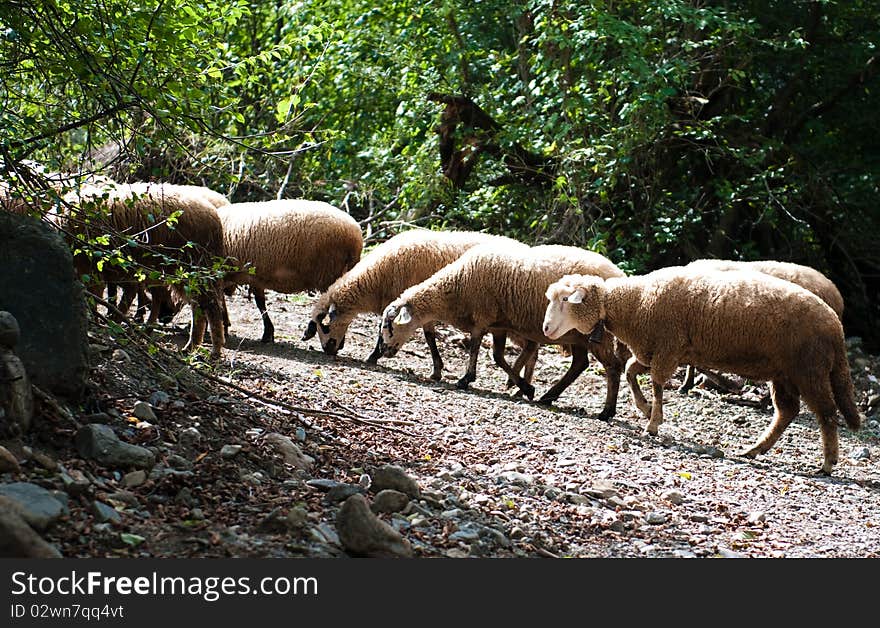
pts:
pixel 577 296
pixel 404 316
pixel 311 330
pixel 332 312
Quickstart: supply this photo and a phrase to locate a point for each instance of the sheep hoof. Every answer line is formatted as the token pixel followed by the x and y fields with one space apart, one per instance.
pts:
pixel 436 376
pixel 605 415
pixel 510 383
pixel 546 401
pixel 528 390
pixel 647 434
pixel 750 453
pixel 463 383
pixel 684 389
pixel 268 339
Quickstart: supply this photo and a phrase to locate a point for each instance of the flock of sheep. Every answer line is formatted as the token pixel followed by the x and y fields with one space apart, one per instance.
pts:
pixel 771 321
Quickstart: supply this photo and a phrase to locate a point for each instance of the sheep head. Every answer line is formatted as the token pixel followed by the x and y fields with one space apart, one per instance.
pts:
pixel 576 302
pixel 330 326
pixel 398 326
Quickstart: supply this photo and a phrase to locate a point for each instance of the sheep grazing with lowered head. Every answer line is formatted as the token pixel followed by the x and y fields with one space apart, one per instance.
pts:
pixel 500 289
pixel 804 276
pixel 398 263
pixel 293 245
pixel 140 213
pixel 743 322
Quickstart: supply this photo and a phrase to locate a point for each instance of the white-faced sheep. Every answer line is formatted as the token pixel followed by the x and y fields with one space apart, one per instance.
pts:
pixel 501 289
pixel 293 245
pixel 398 263
pixel 748 323
pixel 804 276
pixel 141 213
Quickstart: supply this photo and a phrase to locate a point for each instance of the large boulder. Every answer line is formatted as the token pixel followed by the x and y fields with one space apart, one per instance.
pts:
pixel 39 287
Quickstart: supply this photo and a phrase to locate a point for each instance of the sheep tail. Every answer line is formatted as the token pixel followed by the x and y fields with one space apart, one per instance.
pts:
pixel 842 388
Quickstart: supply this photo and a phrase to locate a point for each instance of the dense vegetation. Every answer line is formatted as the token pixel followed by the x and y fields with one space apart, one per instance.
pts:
pixel 654 131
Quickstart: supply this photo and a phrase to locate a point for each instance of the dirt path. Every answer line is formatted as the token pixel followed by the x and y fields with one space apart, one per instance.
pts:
pixel 555 481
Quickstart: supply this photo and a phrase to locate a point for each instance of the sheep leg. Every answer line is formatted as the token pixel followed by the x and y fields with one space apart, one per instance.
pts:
pixel 580 360
pixel 786 404
pixel 197 326
pixel 499 339
pixel 607 357
pixel 431 339
pixel 820 399
pixel 525 362
pixel 688 380
pixel 661 371
pixel 373 358
pixel 471 373
pixel 268 327
pixel 634 368
pixel 129 293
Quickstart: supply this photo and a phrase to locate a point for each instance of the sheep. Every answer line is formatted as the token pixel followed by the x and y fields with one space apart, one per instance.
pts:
pixel 402 261
pixel 749 323
pixel 293 245
pixel 804 276
pixel 141 211
pixel 501 289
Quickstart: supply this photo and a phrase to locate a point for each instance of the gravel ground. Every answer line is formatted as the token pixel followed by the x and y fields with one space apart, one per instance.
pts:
pixel 498 476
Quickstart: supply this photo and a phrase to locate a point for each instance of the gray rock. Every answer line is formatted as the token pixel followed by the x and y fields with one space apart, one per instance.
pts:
pixel 289 451
pixel 121 356
pixel 37 506
pixel 8 462
pixel 37 270
pixel 515 477
pixel 44 460
pixel 297 517
pixel 189 438
pixel 10 332
pixel 576 498
pixel 388 500
pixel 144 411
pixel 100 443
pixel 723 552
pixel 394 477
pixel 361 533
pixel 862 453
pixel 75 482
pixel 323 484
pixel 300 435
pixel 342 492
pixel 18 539
pixel 197 514
pixel 229 451
pixel 179 463
pixel 465 534
pixel 158 398
pixel 104 513
pixel 656 518
pixel 517 533
pixel 134 478
pixel 602 490
pixel 329 533
pixel 673 497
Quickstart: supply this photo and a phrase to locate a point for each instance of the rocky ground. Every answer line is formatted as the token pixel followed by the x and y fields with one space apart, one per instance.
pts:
pixel 377 460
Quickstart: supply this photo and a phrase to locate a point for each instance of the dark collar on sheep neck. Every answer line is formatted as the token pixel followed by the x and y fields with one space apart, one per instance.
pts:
pixel 598 332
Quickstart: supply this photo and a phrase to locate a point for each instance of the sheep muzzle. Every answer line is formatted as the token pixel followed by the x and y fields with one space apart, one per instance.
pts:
pixel 311 330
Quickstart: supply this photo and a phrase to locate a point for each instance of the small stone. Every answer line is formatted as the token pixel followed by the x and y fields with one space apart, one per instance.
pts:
pixel 290 453
pixel 100 443
pixel 455 552
pixel 158 398
pixel 119 355
pixel 196 514
pixel 189 438
pixel 228 452
pixel 134 478
pixel 104 513
pixel 673 497
pixel 723 552
pixel 8 462
pixel 577 499
pixel 342 492
pixel 515 477
pixel 517 533
pixel 362 533
pixel 297 517
pixel 465 535
pixel 75 482
pixel 756 518
pixel 394 477
pixel 656 518
pixel 178 404
pixel 862 453
pixel 323 484
pixel 388 500
pixel 37 506
pixel 329 533
pixel 696 518
pixel 365 481
pixel 602 490
pixel 44 460
pixel 300 435
pixel 144 411
pixel 179 462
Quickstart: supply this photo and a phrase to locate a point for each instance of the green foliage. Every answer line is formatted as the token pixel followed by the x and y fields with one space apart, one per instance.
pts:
pixel 678 129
